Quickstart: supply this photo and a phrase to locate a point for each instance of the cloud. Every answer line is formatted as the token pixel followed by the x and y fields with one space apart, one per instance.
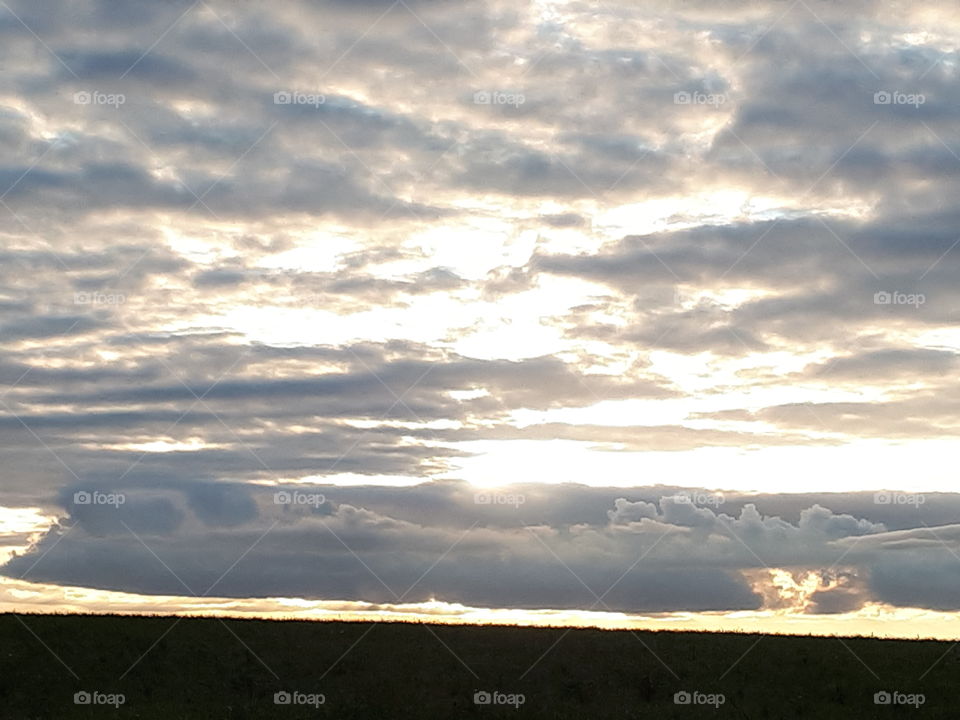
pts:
pixel 838 593
pixel 686 550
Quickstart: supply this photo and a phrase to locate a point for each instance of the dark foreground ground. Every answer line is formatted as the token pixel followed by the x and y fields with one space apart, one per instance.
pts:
pixel 167 668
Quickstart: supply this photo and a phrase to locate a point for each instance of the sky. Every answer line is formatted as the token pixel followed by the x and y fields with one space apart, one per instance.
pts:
pixel 625 314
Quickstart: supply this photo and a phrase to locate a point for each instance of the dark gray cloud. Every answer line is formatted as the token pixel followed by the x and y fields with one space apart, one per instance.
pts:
pixel 838 593
pixel 693 549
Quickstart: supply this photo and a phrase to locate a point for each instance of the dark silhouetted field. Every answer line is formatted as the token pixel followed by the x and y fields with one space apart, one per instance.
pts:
pixel 167 668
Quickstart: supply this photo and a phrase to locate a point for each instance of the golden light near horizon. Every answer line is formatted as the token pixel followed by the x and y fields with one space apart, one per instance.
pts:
pixel 873 621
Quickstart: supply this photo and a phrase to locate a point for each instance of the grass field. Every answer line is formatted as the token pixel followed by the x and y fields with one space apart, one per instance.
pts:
pixel 161 667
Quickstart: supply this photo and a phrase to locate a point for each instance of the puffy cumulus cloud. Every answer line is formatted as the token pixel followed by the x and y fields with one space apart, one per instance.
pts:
pixel 625 511
pixel 816 525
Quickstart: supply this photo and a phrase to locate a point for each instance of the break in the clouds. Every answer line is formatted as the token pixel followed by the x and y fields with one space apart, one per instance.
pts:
pixel 396 253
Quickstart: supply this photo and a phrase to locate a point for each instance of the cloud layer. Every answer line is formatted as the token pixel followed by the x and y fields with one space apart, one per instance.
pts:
pixel 375 250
